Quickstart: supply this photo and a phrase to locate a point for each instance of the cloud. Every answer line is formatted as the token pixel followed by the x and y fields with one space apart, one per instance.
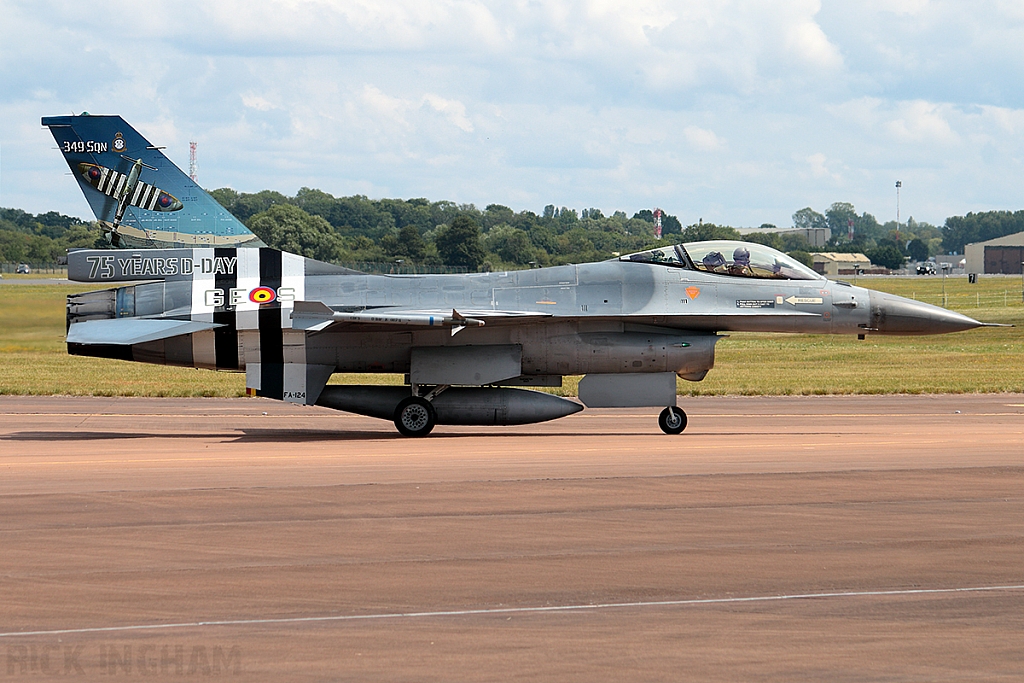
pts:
pixel 818 167
pixel 701 139
pixel 453 110
pixel 808 42
pixel 736 112
pixel 905 122
pixel 899 7
pixel 257 102
pixel 394 108
pixel 921 121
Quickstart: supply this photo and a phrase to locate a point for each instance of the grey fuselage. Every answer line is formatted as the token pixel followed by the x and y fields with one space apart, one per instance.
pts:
pixel 607 317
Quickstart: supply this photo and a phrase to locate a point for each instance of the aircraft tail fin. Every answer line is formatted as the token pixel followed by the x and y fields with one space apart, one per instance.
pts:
pixel 140 196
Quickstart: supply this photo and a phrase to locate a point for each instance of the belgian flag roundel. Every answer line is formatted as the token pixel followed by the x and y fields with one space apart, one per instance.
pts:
pixel 262 295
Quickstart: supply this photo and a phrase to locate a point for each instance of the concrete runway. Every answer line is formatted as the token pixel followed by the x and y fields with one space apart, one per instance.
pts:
pixel 777 539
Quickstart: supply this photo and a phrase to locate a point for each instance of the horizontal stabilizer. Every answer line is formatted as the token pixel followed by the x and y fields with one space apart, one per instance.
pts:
pixel 125 331
pixel 311 315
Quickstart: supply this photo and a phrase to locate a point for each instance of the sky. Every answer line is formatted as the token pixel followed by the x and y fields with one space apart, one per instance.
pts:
pixel 735 112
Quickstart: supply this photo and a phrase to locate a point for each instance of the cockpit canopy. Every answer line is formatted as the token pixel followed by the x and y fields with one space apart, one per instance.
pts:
pixel 728 257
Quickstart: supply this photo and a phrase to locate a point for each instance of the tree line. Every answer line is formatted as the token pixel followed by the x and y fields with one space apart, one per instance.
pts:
pixel 417 231
pixel 42 238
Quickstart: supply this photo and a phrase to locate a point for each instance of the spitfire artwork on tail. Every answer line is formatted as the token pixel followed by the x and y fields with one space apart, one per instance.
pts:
pixel 128 190
pixel 214 297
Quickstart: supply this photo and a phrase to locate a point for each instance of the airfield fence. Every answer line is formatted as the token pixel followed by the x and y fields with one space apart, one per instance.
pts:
pixel 960 300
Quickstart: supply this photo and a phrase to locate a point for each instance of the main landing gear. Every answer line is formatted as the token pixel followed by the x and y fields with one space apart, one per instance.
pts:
pixel 672 420
pixel 415 416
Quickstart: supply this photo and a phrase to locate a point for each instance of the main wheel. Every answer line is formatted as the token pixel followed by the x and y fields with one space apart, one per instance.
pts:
pixel 672 420
pixel 414 416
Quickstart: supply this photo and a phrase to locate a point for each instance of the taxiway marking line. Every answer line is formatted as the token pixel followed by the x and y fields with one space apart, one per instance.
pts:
pixel 515 610
pixel 248 457
pixel 212 460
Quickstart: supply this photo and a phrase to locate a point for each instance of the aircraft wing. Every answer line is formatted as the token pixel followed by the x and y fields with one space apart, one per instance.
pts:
pixel 317 316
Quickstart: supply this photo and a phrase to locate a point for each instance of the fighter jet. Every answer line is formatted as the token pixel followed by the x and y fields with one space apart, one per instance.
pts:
pixel 465 344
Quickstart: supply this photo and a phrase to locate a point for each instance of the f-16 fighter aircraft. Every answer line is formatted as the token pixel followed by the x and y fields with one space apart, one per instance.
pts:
pixel 214 297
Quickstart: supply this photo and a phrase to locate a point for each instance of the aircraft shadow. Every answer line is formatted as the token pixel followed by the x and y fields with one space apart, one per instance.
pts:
pixel 248 436
pixel 280 435
pixel 96 436
pixel 306 436
pixel 283 435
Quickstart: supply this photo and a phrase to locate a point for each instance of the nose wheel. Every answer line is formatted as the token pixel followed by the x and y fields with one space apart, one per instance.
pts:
pixel 672 420
pixel 414 416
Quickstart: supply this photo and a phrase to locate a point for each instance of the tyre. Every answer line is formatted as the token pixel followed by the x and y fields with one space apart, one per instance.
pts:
pixel 672 420
pixel 414 416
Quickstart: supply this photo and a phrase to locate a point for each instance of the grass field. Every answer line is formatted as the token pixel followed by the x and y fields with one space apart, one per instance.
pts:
pixel 33 358
pixel 51 274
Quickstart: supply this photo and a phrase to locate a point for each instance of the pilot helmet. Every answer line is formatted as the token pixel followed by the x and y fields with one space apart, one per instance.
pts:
pixel 741 257
pixel 713 259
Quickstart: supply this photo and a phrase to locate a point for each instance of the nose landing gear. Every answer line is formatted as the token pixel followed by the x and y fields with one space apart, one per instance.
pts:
pixel 672 420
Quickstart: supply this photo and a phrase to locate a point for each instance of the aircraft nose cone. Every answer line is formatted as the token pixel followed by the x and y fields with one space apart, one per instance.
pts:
pixel 891 314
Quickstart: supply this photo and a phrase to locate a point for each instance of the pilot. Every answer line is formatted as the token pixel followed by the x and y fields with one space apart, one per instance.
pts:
pixel 713 260
pixel 740 262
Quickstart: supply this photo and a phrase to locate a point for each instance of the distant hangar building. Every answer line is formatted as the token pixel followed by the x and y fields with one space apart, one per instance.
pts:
pixel 839 263
pixel 1000 255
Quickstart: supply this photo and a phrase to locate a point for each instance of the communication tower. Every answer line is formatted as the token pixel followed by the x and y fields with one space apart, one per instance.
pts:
pixel 658 213
pixel 192 160
pixel 899 184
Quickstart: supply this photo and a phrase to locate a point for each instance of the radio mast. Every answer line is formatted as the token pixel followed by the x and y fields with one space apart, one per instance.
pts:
pixel 192 160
